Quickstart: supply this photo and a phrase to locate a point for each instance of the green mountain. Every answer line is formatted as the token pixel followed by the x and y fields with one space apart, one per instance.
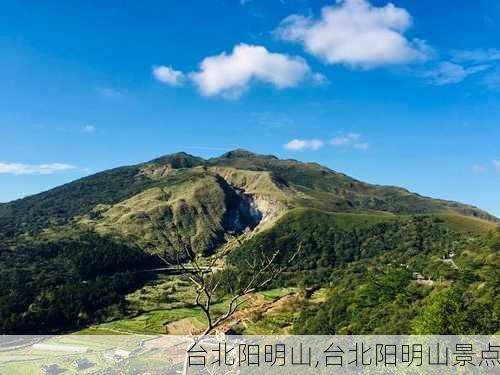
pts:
pixel 184 199
pixel 99 229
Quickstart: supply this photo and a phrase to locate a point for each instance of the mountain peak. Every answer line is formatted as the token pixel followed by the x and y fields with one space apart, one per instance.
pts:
pixel 238 153
pixel 179 160
pixel 241 153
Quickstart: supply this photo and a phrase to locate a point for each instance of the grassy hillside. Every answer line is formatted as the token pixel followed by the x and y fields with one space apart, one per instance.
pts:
pixel 58 206
pixel 82 242
pixel 468 224
pixel 190 210
pixel 279 184
pixel 320 187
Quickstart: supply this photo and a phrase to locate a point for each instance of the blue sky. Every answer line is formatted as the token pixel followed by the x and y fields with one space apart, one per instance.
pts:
pixel 405 94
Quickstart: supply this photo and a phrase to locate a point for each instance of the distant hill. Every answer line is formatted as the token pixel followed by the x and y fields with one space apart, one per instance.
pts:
pixel 183 200
pixel 69 256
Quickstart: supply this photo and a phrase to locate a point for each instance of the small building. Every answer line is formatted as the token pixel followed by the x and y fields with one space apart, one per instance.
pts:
pixel 417 276
pixel 112 357
pixel 82 363
pixel 122 353
pixel 117 356
pixel 51 369
pixel 427 282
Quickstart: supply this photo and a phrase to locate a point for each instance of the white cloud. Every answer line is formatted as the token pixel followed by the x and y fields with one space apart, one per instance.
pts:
pixel 496 165
pixel 477 55
pixel 89 129
pixel 168 75
pixel 230 75
pixel 304 144
pixel 349 140
pixel 445 73
pixel 319 78
pixel 355 33
pixel 25 169
pixel 344 139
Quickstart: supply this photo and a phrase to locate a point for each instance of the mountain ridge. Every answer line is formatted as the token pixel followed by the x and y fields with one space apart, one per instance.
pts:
pixel 266 183
pixel 245 154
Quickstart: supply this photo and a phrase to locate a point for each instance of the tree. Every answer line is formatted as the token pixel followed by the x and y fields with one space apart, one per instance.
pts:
pixel 208 274
pixel 441 315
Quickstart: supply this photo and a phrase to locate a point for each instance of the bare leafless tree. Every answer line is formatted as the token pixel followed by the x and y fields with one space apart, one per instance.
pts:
pixel 208 276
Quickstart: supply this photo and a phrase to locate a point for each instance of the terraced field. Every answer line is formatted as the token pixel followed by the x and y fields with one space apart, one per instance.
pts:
pixel 165 306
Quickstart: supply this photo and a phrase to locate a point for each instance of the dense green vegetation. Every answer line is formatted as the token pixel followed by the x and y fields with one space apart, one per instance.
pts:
pixel 69 256
pixel 58 286
pixel 58 206
pixel 368 269
pixel 328 240
pixel 367 297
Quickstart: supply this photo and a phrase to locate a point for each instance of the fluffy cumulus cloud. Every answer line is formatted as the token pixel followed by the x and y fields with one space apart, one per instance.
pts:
pixel 230 75
pixel 25 169
pixel 445 73
pixel 304 144
pixel 355 33
pixel 168 75
pixel 350 140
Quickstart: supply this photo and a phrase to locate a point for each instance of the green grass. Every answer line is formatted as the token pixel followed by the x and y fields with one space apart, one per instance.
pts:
pixel 161 302
pixel 346 221
pixel 150 312
pixel 467 223
pixel 276 324
pixel 97 331
pixel 274 294
pixel 350 221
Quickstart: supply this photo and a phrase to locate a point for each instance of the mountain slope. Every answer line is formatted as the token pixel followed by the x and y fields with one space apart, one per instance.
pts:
pixel 339 192
pixel 194 212
pixel 68 256
pixel 122 200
